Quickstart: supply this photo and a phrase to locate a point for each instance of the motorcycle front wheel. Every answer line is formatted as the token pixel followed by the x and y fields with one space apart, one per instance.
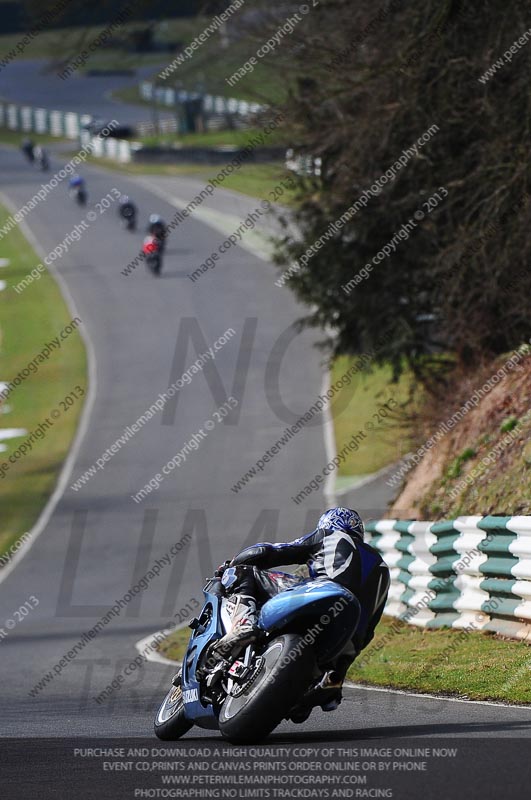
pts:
pixel 287 668
pixel 171 722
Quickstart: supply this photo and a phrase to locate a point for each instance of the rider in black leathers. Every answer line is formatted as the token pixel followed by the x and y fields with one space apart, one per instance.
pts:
pixel 335 551
pixel 28 147
pixel 158 228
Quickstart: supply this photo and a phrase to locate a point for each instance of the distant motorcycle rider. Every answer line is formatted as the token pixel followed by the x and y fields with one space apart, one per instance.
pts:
pixel 152 252
pixel 76 182
pixel 157 228
pixel 78 189
pixel 28 147
pixel 335 551
pixel 41 158
pixel 127 211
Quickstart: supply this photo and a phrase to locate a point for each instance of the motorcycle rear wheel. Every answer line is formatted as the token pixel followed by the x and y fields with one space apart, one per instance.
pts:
pixel 277 688
pixel 154 263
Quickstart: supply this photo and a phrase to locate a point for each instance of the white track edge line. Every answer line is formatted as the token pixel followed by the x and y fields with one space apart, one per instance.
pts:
pixel 66 470
pixel 367 479
pixel 153 655
pixel 157 658
pixel 441 698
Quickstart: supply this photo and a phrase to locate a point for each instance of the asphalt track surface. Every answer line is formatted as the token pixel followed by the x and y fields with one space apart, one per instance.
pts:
pixel 133 323
pixel 98 541
pixel 29 82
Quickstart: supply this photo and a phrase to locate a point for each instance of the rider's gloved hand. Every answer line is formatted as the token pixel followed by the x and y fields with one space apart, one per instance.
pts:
pixel 221 569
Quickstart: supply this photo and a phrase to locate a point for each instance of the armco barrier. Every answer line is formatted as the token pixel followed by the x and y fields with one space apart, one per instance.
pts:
pixel 26 119
pixel 470 572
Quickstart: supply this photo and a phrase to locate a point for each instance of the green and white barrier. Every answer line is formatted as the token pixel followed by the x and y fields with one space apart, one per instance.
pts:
pixel 303 164
pixel 471 572
pixel 26 119
pixel 116 149
pixel 211 103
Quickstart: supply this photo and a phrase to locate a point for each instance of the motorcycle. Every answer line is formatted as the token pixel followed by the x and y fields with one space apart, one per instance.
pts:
pixel 79 194
pixel 128 217
pixel 159 231
pixel 42 161
pixel 153 254
pixel 277 675
pixel 28 149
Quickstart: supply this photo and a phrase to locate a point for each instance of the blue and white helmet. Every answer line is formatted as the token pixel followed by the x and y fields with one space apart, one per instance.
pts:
pixel 342 519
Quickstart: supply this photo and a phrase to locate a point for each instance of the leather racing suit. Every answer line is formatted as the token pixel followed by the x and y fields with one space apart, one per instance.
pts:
pixel 330 554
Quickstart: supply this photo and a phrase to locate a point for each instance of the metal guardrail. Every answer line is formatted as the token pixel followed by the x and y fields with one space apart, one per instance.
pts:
pixel 472 573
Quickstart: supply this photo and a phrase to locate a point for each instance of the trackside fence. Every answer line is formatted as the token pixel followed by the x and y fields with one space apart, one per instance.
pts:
pixel 470 572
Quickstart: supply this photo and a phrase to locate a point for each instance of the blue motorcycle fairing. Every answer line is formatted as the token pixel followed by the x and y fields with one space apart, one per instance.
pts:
pixel 326 609
pixel 194 710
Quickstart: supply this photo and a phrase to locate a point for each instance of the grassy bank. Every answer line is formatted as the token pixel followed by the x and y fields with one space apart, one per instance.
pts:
pixel 29 320
pixel 229 138
pixel 483 464
pixel 475 666
pixel 210 67
pixel 254 180
pixel 357 408
pixel 489 464
pixel 59 43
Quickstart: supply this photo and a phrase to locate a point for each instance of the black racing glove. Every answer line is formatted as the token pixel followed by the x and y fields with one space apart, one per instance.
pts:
pixel 221 569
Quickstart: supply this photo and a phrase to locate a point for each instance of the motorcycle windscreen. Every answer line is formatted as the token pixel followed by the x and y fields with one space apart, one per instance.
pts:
pixel 323 612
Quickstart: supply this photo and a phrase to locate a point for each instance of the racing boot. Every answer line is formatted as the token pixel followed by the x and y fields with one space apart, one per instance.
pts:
pixel 243 628
pixel 326 692
pixel 330 685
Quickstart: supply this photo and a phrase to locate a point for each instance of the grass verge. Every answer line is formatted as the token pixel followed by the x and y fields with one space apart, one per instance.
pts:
pixel 210 68
pixel 477 666
pixel 174 646
pixel 358 406
pixel 14 138
pixel 232 138
pixel 253 180
pixel 28 321
pixel 474 666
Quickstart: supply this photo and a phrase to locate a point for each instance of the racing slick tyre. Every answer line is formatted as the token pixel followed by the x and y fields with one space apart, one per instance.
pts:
pixel 284 671
pixel 170 722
